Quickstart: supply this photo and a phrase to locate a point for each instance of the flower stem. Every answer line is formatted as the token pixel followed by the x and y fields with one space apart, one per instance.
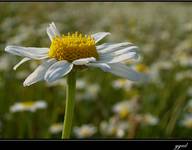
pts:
pixel 69 106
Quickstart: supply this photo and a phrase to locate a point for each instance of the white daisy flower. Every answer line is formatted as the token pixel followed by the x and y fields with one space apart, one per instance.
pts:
pixel 28 106
pixel 189 106
pixel 5 62
pixel 187 121
pixel 114 127
pixel 141 68
pixel 126 107
pixel 56 128
pixel 85 131
pixel 182 75
pixel 81 84
pixel 189 92
pixel 149 119
pixel 122 83
pixel 69 51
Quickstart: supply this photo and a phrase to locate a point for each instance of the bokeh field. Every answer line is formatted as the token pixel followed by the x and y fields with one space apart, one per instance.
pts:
pixel 106 106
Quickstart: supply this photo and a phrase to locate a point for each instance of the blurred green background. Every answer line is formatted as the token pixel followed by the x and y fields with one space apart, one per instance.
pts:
pixel 160 108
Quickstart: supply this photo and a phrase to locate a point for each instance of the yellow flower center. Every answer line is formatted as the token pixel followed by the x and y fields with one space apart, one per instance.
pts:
pixel 188 123
pixel 85 132
pixel 72 47
pixel 141 68
pixel 28 104
pixel 124 112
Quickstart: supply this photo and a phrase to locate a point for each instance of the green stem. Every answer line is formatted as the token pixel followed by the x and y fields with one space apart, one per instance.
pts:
pixel 69 106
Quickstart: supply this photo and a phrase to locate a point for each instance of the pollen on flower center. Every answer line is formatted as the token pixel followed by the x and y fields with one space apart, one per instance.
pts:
pixel 72 47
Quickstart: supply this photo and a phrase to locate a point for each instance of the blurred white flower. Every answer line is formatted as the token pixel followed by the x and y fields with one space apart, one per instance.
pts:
pixel 56 128
pixel 156 68
pixel 185 61
pixel 93 90
pixel 165 35
pixel 188 26
pixel 141 68
pixel 163 65
pixel 4 62
pixel 182 48
pixel 189 106
pixel 122 83
pixel 183 75
pixel 124 108
pixel 80 84
pixel 114 127
pixel 187 121
pixel 148 48
pixel 189 91
pixel 85 131
pixel 90 93
pixel 149 119
pixel 31 106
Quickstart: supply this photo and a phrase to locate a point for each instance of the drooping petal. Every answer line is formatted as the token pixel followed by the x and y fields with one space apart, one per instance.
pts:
pixel 122 51
pixel 104 45
pixel 110 47
pixel 21 62
pixel 83 61
pixel 39 73
pixel 52 31
pixel 99 36
pixel 103 66
pixel 118 51
pixel 58 70
pixel 126 72
pixel 30 52
pixel 110 58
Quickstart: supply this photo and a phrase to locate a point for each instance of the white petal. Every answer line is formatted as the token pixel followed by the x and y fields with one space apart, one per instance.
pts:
pixel 102 46
pixel 99 36
pixel 126 72
pixel 30 52
pixel 108 47
pixel 118 58
pixel 123 51
pixel 58 70
pixel 103 66
pixel 21 62
pixel 39 73
pixel 118 51
pixel 83 61
pixel 55 28
pixel 52 31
